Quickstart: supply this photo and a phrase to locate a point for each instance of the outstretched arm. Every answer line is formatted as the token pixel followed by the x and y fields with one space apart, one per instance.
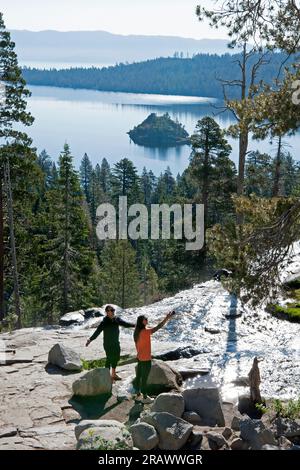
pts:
pixel 96 334
pixel 125 324
pixel 161 324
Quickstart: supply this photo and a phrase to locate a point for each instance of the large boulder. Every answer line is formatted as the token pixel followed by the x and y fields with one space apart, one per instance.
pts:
pixel 95 382
pixel 254 432
pixel 96 423
pixel 64 357
pixel 173 432
pixel 170 403
pixel 206 402
pixel 94 312
pixel 163 378
pixel 72 318
pixel 144 436
pixel 105 437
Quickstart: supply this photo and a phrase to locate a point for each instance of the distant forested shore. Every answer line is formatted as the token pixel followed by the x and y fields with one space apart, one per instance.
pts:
pixel 201 75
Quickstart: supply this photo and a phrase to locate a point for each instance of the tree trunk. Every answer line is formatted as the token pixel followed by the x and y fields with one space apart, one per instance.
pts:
pixel 66 250
pixel 276 188
pixel 2 307
pixel 13 244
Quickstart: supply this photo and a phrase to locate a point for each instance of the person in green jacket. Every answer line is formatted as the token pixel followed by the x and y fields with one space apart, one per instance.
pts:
pixel 111 332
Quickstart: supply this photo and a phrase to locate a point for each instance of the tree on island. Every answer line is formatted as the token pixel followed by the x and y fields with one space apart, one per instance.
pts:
pixel 159 131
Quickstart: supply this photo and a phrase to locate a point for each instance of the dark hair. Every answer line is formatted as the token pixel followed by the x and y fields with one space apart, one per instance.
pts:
pixel 139 327
pixel 108 308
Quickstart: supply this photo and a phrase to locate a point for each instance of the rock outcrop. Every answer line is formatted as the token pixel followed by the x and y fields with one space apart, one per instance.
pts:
pixel 95 382
pixel 64 357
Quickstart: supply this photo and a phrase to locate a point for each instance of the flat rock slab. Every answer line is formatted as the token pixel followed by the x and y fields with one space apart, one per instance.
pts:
pixel 17 358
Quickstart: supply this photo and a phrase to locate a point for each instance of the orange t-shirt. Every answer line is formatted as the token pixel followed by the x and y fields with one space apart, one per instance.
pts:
pixel 143 345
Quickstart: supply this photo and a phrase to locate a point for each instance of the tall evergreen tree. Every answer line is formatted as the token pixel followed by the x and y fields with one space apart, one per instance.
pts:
pixel 125 182
pixel 209 144
pixel 86 169
pixel 15 143
pixel 105 176
pixel 66 259
pixel 120 282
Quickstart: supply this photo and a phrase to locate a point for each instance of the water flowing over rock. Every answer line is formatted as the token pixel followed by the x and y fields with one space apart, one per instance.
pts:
pixel 65 358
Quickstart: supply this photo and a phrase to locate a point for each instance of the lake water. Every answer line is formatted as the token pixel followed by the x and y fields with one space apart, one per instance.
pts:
pixel 97 123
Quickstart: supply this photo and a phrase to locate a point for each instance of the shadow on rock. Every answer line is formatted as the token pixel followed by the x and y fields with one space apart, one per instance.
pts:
pixel 93 407
pixel 55 370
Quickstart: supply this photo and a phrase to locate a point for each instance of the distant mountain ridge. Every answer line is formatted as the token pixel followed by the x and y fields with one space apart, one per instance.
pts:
pixel 101 46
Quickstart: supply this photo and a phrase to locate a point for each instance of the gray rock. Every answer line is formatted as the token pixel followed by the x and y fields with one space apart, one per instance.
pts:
pixel 94 312
pixel 212 331
pixel 192 417
pixel 286 427
pixel 216 440
pixel 173 432
pixel 195 440
pixel 162 377
pixel 227 433
pixel 238 444
pixel 72 318
pixel 235 423
pixel 96 423
pixel 172 403
pixel 64 357
pixel 185 352
pixel 95 382
pixel 144 436
pixel 8 431
pixel 105 438
pixel 284 443
pixel 205 400
pixel 256 434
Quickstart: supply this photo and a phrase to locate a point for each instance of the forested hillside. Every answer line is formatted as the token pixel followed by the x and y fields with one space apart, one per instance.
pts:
pixel 199 76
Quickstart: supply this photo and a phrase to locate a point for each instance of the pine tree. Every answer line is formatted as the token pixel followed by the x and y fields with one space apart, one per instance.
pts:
pixel 125 182
pixel 67 263
pixel 120 282
pixel 86 169
pixel 105 176
pixel 208 145
pixel 15 142
pixel 259 174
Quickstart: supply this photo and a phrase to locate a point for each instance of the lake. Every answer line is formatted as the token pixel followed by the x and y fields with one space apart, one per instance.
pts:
pixel 97 123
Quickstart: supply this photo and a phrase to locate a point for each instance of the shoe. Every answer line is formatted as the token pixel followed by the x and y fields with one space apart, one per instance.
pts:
pixel 137 397
pixel 147 400
pixel 116 377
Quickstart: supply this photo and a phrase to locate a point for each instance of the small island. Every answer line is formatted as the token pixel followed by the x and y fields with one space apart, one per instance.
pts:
pixel 159 131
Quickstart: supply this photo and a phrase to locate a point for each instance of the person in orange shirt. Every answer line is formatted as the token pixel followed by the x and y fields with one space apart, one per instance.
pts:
pixel 142 339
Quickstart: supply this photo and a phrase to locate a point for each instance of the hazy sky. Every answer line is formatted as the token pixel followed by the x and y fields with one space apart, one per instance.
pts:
pixel 151 17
